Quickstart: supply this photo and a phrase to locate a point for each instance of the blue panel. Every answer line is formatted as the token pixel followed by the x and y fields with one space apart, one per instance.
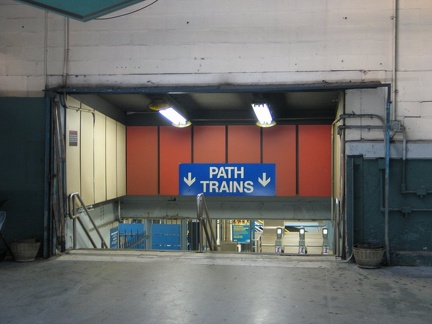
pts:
pixel 83 10
pixel 172 229
pixel 166 237
pixel 227 179
pixel 166 240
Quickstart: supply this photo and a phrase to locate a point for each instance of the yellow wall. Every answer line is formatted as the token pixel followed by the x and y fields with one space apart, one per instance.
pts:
pixel 99 157
pixel 86 158
pixel 96 167
pixel 73 169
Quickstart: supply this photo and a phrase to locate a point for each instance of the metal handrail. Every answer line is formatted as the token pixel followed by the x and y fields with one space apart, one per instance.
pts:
pixel 75 216
pixel 205 225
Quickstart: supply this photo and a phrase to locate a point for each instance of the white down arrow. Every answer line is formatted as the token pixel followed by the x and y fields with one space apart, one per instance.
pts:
pixel 189 180
pixel 264 181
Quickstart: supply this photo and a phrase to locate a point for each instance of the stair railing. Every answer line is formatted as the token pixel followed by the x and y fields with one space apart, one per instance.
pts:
pixel 205 225
pixel 73 199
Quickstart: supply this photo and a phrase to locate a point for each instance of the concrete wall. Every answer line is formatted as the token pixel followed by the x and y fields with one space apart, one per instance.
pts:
pixel 225 42
pixel 258 42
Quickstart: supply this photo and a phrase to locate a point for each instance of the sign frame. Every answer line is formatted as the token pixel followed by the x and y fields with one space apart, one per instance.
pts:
pixel 227 179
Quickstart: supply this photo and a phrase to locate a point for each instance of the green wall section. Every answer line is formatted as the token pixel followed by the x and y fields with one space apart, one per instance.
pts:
pixel 22 166
pixel 410 217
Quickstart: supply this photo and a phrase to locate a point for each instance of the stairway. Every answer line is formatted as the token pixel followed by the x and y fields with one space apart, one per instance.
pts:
pixel 268 236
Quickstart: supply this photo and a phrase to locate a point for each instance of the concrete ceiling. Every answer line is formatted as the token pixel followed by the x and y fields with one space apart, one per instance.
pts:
pixel 222 108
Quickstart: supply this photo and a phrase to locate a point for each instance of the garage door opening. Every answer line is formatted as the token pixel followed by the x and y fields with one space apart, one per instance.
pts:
pixel 143 183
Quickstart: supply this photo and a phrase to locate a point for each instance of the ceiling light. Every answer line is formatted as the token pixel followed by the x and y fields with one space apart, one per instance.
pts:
pixel 158 104
pixel 262 112
pixel 176 119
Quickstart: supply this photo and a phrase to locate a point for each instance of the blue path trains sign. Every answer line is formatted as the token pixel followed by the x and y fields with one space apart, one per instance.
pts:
pixel 227 179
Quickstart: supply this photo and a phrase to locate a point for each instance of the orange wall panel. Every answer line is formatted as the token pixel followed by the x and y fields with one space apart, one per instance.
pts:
pixel 314 160
pixel 279 147
pixel 209 144
pixel 142 160
pixel 244 144
pixel 175 148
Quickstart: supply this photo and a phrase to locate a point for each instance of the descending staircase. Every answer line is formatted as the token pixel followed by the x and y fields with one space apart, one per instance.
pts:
pixel 268 236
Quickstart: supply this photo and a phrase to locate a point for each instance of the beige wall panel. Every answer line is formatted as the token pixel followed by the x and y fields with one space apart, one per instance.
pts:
pixel 336 143
pixel 99 158
pixel 87 152
pixel 121 160
pixel 111 158
pixel 73 178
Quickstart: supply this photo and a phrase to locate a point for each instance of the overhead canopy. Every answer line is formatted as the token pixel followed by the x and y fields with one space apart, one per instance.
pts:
pixel 311 104
pixel 83 10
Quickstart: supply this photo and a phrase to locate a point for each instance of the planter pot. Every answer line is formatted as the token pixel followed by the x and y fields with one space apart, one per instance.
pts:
pixel 368 256
pixel 25 250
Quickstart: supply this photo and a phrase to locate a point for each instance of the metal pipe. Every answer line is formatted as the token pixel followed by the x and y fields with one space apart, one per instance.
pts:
pixel 342 203
pixel 395 55
pixel 387 175
pixel 411 210
pixel 368 127
pixel 59 175
pixel 47 185
pixel 210 238
pixel 404 148
pixel 332 190
pixel 200 221
pixel 66 51
pixel 205 222
pixel 344 116
pixel 46 49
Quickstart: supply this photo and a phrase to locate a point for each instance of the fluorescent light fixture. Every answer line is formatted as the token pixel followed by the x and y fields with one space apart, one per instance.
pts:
pixel 262 112
pixel 176 119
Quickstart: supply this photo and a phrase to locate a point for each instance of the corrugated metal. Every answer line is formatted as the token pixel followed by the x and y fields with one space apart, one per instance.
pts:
pixel 175 148
pixel 142 160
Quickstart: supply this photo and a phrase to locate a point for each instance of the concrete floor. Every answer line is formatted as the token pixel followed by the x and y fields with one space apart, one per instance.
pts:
pixel 168 287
